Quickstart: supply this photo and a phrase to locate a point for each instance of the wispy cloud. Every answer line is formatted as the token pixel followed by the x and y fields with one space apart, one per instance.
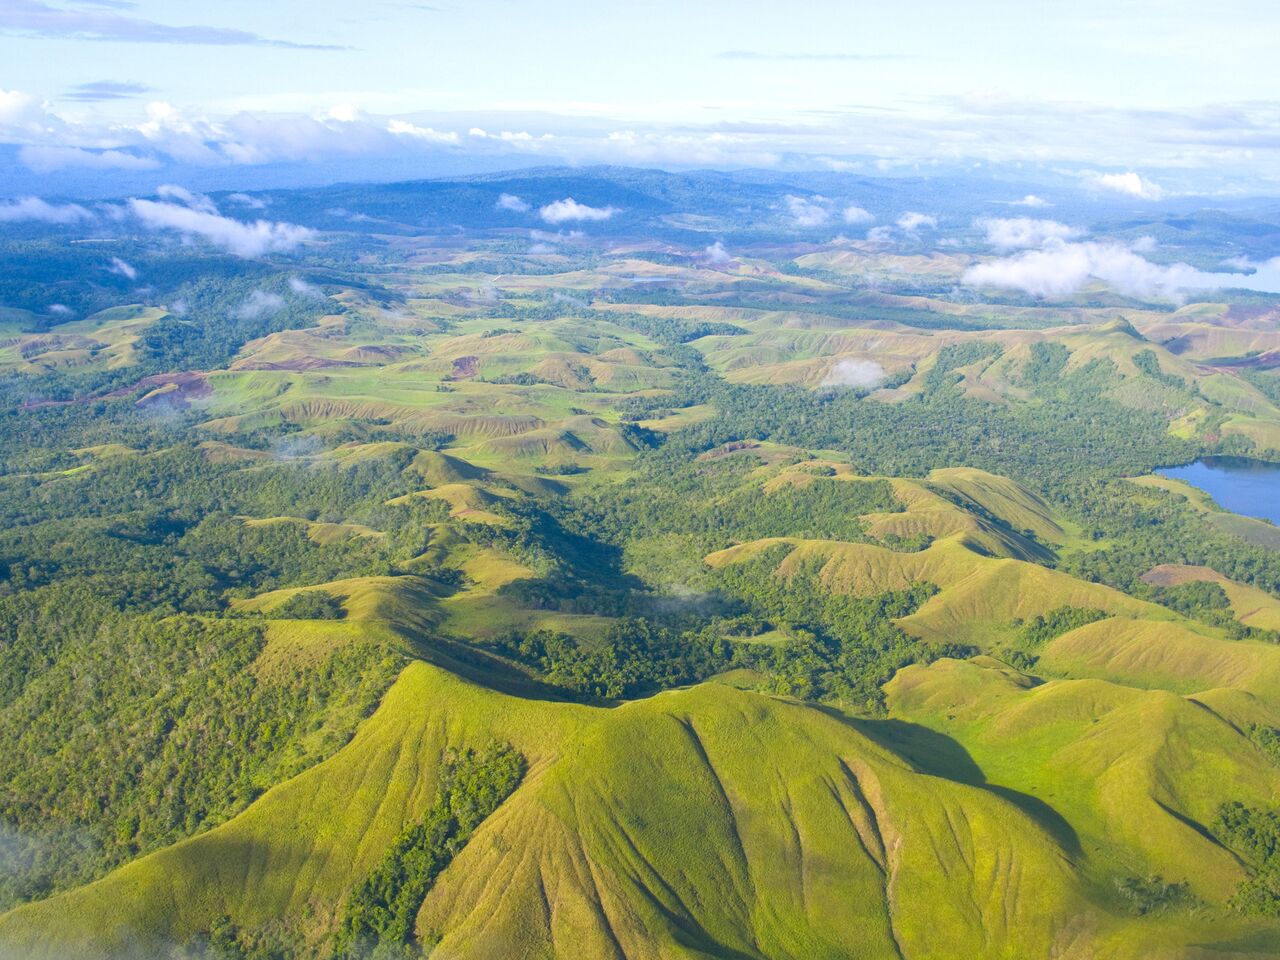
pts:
pixel 99 91
pixel 260 304
pixel 854 374
pixel 35 209
pixel 32 18
pixel 833 57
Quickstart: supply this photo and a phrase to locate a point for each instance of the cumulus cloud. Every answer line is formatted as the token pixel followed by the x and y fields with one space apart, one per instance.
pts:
pixel 879 235
pixel 241 238
pixel 854 374
pixel 1062 269
pixel 33 208
pixel 123 269
pixel 856 214
pixel 568 209
pixel 512 203
pixel 1129 183
pixel 716 255
pixel 260 304
pixel 912 221
pixel 1019 233
pixel 1144 244
pixel 1030 200
pixel 808 211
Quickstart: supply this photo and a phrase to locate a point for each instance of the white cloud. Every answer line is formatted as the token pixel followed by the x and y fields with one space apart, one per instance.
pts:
pixel 243 239
pixel 33 208
pixel 177 194
pixel 1129 183
pixel 1018 233
pixel 253 203
pixel 880 235
pixel 717 256
pixel 50 158
pixel 911 220
pixel 856 214
pixel 304 289
pixel 808 211
pixel 1144 244
pixel 126 270
pixel 568 209
pixel 1062 269
pixel 1030 200
pixel 509 201
pixel 854 374
pixel 260 304
pixel 402 128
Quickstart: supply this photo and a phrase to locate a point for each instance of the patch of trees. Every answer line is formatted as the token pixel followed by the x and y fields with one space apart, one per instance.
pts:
pixel 1254 834
pixel 310 605
pixel 839 646
pixel 1039 630
pixel 379 916
pixel 634 657
pixel 122 733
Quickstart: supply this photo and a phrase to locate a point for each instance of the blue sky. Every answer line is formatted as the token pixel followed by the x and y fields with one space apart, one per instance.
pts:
pixel 1177 92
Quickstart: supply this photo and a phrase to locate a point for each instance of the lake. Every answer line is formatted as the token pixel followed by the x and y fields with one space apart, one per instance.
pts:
pixel 1248 487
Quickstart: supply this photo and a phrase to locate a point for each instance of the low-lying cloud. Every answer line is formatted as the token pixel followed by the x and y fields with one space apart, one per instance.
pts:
pixel 854 374
pixel 912 221
pixel 569 209
pixel 304 289
pixel 1062 269
pixel 808 211
pixel 244 239
pixel 857 215
pixel 511 203
pixel 124 269
pixel 1131 184
pixel 716 255
pixel 1020 233
pixel 35 209
pixel 260 304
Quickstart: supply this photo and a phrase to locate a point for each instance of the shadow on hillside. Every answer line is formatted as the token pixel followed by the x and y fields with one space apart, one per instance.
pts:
pixel 938 755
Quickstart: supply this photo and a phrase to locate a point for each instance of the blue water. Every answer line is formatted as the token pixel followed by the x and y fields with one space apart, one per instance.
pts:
pixel 1248 487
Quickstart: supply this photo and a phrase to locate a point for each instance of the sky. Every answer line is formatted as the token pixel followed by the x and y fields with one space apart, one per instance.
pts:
pixel 1178 92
